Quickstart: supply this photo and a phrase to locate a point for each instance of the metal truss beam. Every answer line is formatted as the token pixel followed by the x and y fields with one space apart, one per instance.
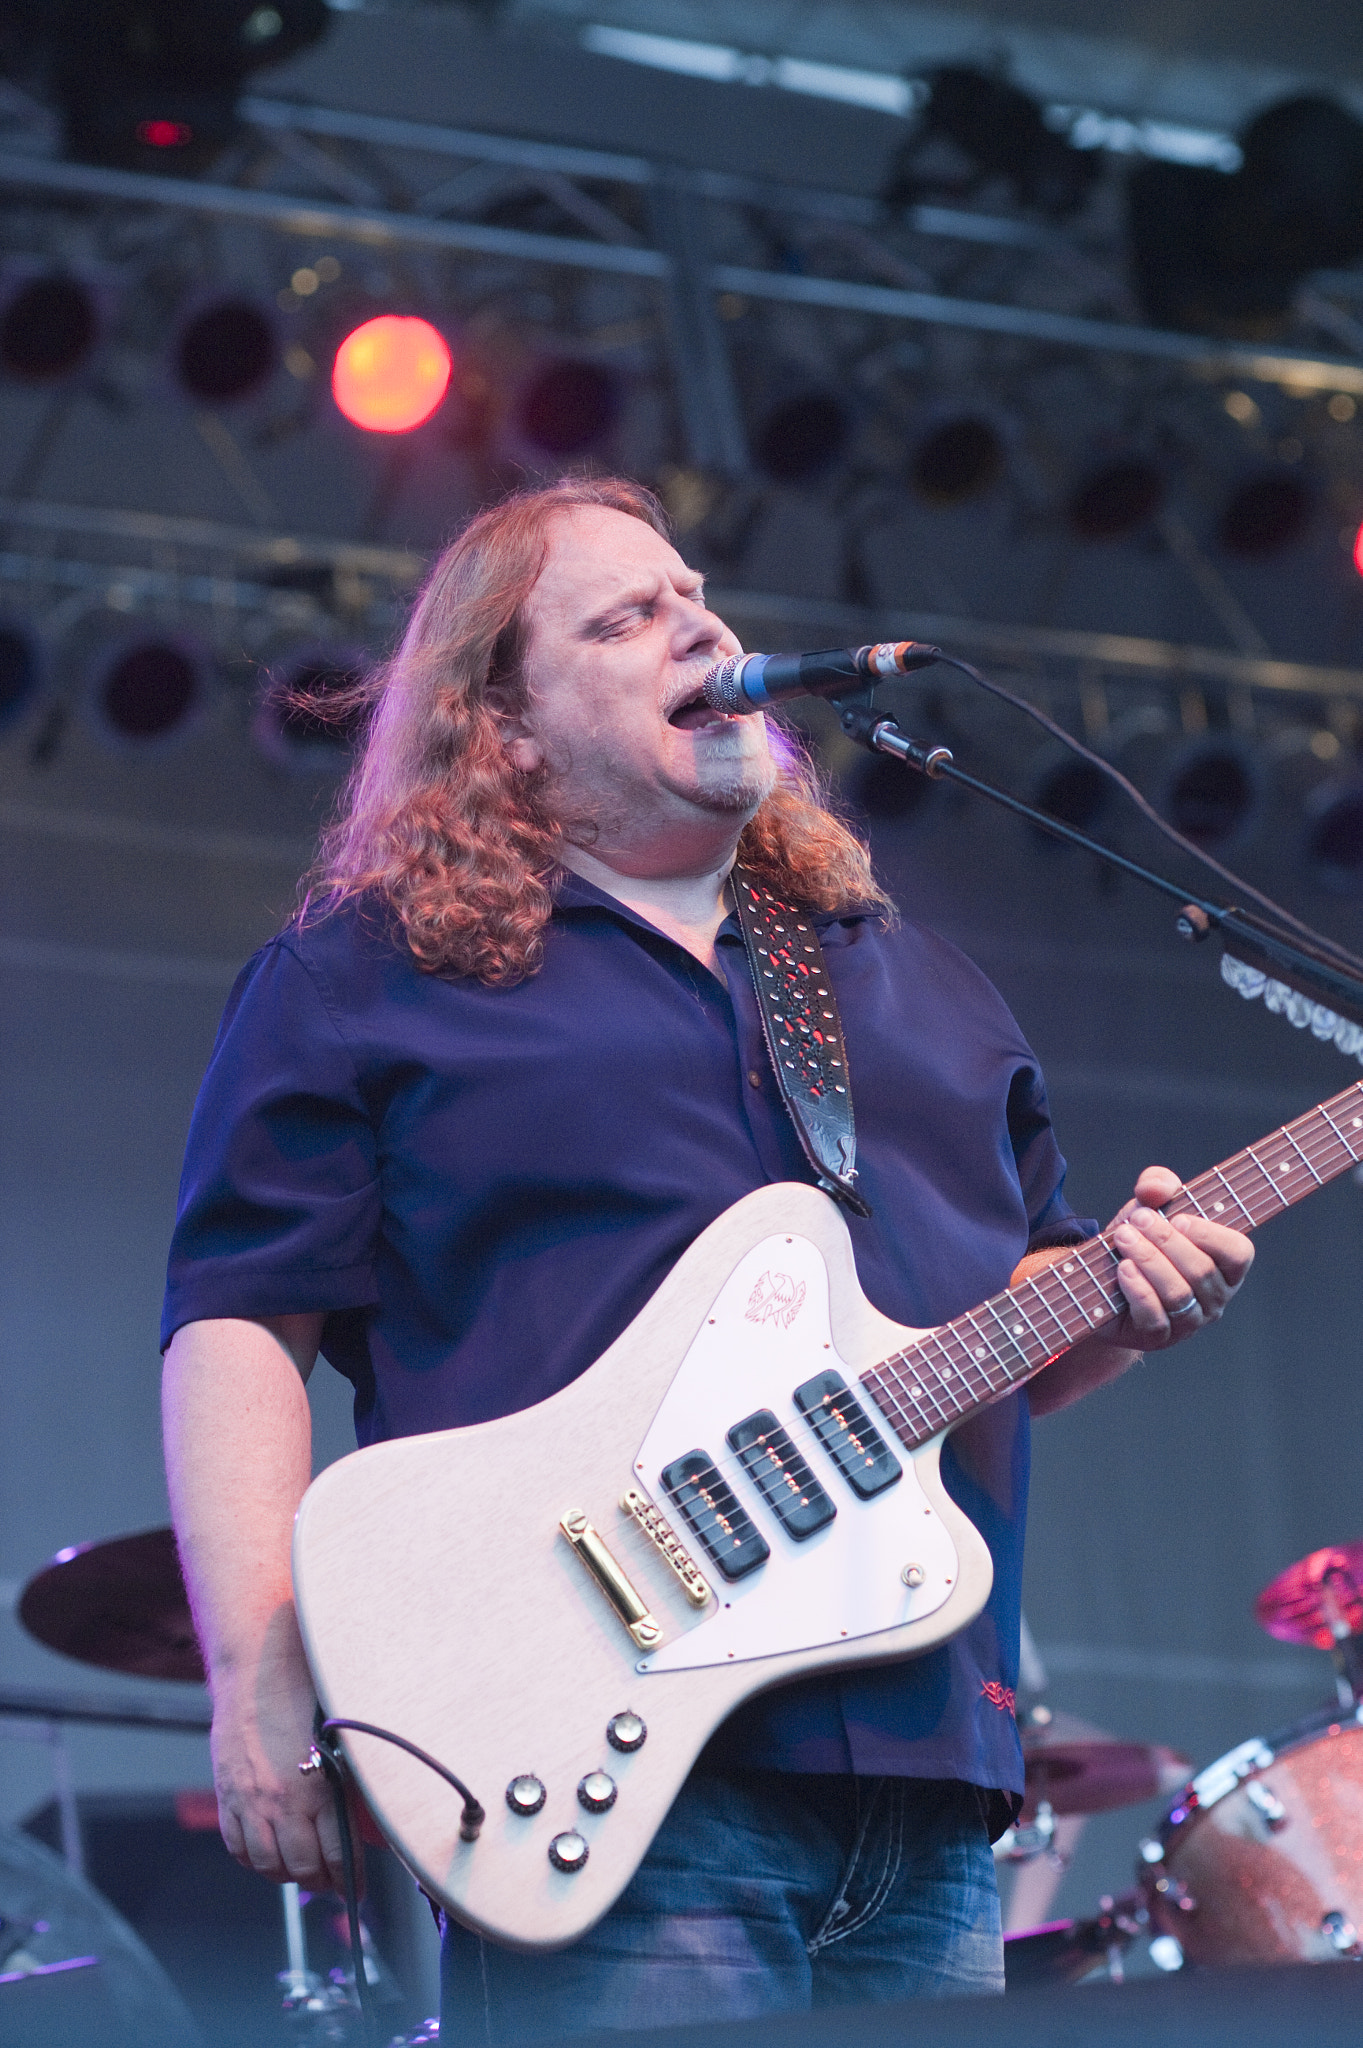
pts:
pixel 1296 370
pixel 222 584
pixel 1107 654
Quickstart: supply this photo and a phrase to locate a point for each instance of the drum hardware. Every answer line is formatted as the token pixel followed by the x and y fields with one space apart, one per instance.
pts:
pixel 1066 1951
pixel 1319 1600
pixel 122 1605
pixel 1075 1768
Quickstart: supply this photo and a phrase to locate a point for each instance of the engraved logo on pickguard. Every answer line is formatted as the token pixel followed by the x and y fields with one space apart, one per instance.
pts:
pixel 775 1295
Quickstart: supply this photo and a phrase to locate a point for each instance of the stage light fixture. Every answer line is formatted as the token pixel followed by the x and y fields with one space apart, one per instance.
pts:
pixel 958 460
pixel 1002 133
pixel 1224 254
pixel 1068 789
pixel 1333 843
pixel 48 328
pixel 153 84
pixel 1211 790
pixel 570 406
pixel 1116 499
pixel 391 373
pixel 295 727
pixel 226 351
pixel 20 669
pixel 1266 514
pixel 147 690
pixel 1358 551
pixel 801 438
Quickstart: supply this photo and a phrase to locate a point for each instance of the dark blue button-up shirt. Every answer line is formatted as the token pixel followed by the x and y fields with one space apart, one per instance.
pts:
pixel 480 1187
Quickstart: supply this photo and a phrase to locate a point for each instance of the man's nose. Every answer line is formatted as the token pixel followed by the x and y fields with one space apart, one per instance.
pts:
pixel 702 631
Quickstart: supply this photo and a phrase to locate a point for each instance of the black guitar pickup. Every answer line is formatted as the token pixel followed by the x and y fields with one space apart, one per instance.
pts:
pixel 780 1474
pixel 848 1434
pixel 708 1502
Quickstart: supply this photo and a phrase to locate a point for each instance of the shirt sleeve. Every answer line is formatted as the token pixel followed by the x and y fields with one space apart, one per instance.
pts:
pixel 279 1207
pixel 1040 1167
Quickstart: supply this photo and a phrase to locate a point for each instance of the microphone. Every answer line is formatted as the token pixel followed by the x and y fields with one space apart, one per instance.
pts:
pixel 758 682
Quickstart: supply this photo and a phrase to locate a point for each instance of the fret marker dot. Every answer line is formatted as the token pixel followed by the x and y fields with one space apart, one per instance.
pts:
pixel 1284 1167
pixel 1218 1207
pixel 981 1353
pixel 1356 1123
pixel 1068 1266
pixel 1017 1329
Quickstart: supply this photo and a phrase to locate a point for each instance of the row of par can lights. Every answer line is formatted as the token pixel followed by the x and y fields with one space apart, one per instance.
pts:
pixel 1219 788
pixel 389 375
pixel 963 456
pixel 146 691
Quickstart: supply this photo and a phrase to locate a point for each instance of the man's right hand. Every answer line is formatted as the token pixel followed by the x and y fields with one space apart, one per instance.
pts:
pixel 274 1819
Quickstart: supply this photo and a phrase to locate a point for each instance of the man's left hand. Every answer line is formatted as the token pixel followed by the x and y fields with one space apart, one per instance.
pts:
pixel 1176 1273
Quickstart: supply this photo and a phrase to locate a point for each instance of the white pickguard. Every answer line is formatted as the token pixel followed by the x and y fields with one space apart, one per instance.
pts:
pixel 767 1332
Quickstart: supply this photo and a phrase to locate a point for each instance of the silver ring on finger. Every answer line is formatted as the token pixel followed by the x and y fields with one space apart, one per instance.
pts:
pixel 1183 1308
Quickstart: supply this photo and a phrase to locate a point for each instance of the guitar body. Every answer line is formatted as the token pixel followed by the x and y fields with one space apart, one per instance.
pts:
pixel 440 1598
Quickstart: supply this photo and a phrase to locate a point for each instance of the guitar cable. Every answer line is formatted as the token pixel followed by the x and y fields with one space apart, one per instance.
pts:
pixel 327 1755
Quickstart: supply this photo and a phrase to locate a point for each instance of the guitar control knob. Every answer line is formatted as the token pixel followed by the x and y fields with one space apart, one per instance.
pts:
pixel 597 1792
pixel 525 1795
pixel 568 1852
pixel 626 1732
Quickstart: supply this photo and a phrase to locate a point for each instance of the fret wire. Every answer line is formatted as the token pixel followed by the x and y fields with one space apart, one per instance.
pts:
pixel 1318 1126
pixel 1302 1156
pixel 989 1346
pixel 1027 1363
pixel 924 1381
pixel 963 1365
pixel 953 1371
pixel 1113 1307
pixel 910 1392
pixel 1249 1153
pixel 1056 1269
pixel 1034 1282
pixel 945 1374
pixel 1013 1296
pixel 1187 1191
pixel 1243 1207
pixel 1338 1133
pixel 882 1393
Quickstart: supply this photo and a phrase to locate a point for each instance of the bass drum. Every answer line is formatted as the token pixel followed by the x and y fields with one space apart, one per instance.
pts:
pixel 1260 1859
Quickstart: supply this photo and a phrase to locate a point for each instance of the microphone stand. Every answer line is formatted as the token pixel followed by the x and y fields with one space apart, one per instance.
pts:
pixel 1254 940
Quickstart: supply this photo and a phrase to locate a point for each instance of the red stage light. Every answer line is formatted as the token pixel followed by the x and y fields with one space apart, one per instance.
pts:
pixel 165 134
pixel 1358 551
pixel 391 374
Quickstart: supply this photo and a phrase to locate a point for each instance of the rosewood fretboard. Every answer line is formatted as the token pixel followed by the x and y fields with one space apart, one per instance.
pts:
pixel 952 1371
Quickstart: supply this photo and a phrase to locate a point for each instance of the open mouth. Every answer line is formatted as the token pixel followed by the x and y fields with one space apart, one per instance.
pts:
pixel 693 714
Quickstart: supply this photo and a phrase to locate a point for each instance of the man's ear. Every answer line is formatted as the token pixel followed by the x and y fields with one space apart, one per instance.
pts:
pixel 519 739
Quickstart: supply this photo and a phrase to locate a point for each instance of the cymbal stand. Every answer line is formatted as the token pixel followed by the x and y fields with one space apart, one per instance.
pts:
pixel 306 1997
pixel 1347 1654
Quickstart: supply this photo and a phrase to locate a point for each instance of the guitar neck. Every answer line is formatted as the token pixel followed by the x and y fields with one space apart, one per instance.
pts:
pixel 950 1372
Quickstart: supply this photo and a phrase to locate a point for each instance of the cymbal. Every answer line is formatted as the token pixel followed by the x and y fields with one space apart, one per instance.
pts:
pixel 121 1605
pixel 1079 1769
pixel 1318 1600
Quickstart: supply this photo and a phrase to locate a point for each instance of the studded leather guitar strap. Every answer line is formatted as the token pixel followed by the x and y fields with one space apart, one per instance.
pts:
pixel 803 1032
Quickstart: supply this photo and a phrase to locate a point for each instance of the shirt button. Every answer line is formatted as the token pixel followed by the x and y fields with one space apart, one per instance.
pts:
pixel 754 1077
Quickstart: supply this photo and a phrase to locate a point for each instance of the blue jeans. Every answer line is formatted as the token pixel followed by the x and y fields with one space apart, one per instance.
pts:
pixel 762 1893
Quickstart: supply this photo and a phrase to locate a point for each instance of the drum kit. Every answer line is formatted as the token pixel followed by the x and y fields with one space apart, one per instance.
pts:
pixel 121 1605
pixel 1259 1857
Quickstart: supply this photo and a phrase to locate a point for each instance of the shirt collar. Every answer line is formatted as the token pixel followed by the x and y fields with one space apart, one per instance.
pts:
pixel 572 892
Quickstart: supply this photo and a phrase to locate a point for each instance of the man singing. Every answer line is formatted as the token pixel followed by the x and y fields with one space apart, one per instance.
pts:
pixel 463 1116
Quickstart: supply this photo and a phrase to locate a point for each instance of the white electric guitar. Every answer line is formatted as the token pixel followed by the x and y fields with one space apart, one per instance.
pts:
pixel 561 1606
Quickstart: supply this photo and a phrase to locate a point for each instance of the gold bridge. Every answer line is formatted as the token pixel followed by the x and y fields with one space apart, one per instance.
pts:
pixel 665 1541
pixel 623 1597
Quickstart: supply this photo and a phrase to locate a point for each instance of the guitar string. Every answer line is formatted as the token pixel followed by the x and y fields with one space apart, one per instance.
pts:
pixel 1282 1165
pixel 1315 1139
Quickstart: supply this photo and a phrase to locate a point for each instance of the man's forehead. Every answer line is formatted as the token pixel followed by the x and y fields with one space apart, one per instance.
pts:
pixel 596 553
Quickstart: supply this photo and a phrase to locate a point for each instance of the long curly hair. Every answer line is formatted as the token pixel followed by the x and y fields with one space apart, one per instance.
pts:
pixel 437 821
